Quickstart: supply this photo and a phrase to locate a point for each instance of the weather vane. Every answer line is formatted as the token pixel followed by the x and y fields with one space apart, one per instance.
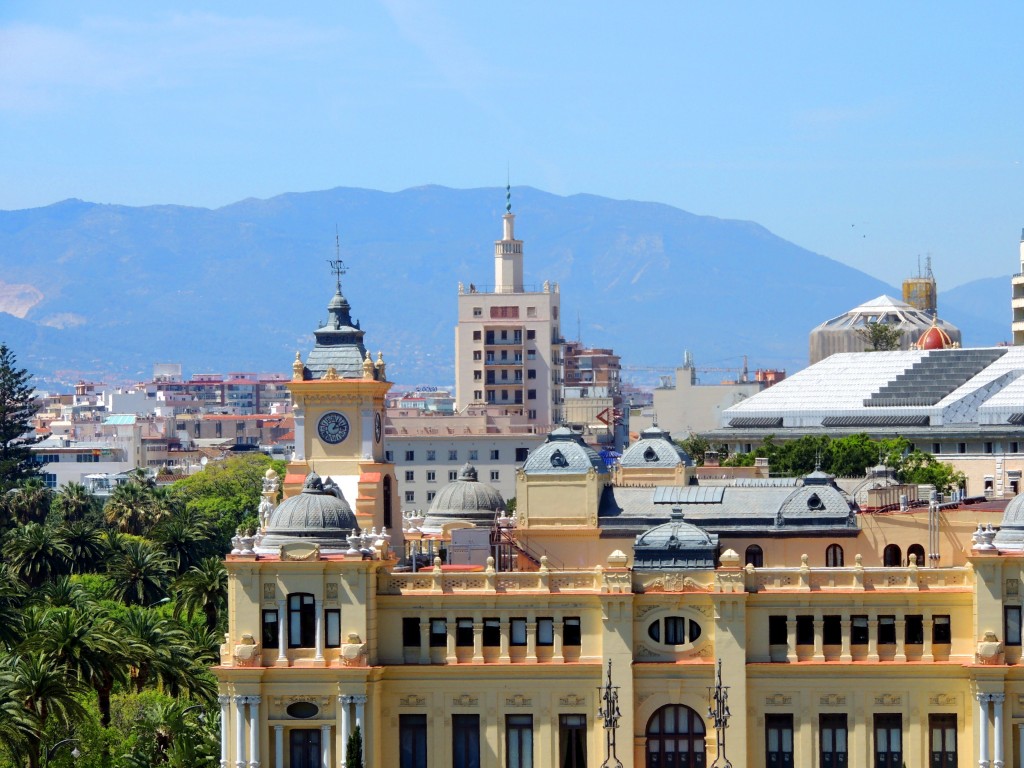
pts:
pixel 337 265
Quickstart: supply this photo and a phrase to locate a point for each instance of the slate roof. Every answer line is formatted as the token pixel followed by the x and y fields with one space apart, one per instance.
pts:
pixel 654 448
pixel 319 515
pixel 676 544
pixel 563 453
pixel 339 343
pixel 1010 537
pixel 465 499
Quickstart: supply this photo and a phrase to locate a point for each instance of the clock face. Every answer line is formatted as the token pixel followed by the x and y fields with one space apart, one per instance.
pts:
pixel 333 428
pixel 377 427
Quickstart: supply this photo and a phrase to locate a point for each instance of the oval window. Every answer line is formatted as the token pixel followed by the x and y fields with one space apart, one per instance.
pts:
pixel 677 630
pixel 303 709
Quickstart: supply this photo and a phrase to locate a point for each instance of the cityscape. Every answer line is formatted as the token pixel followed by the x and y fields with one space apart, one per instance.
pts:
pixel 491 476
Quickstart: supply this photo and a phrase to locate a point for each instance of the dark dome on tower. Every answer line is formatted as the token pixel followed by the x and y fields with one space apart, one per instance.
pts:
pixel 465 499
pixel 318 515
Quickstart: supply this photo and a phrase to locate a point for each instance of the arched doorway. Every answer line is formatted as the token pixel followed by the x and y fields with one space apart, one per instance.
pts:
pixel 916 549
pixel 892 557
pixel 754 556
pixel 675 738
pixel 834 556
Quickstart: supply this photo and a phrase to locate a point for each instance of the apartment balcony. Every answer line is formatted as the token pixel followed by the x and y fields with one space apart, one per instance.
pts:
pixel 504 363
pixel 503 342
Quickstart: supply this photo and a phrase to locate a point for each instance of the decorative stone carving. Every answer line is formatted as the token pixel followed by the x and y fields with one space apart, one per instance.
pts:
pixel 943 700
pixel 269 591
pixel 518 701
pixel 990 650
pixel 412 700
pixel 888 700
pixel 353 653
pixel 465 700
pixel 299 551
pixel 832 700
pixel 332 590
pixel 572 700
pixel 247 652
pixel 778 700
pixel 1012 587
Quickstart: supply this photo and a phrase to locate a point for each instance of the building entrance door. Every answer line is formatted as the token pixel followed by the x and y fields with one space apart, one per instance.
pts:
pixel 304 747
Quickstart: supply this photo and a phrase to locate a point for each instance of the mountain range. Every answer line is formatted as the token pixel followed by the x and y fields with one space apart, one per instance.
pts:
pixel 101 292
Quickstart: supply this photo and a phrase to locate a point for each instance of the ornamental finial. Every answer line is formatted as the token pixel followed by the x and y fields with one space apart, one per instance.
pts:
pixel 297 368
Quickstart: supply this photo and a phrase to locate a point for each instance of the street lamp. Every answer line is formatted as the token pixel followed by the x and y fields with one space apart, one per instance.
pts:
pixel 718 711
pixel 610 713
pixel 53 750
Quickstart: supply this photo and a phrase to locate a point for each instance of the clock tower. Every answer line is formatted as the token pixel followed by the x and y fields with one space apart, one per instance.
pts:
pixel 338 401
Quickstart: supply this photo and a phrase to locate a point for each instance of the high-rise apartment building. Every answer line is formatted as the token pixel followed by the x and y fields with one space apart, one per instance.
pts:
pixel 1018 299
pixel 508 341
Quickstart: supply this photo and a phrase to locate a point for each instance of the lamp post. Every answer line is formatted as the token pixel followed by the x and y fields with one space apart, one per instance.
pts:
pixel 53 750
pixel 718 711
pixel 609 712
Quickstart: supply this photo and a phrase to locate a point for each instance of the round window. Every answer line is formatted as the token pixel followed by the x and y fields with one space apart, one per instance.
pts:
pixel 303 709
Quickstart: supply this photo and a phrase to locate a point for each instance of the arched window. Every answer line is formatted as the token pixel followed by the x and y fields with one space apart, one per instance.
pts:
pixel 916 549
pixel 754 556
pixel 387 500
pixel 892 557
pixel 675 737
pixel 834 556
pixel 301 620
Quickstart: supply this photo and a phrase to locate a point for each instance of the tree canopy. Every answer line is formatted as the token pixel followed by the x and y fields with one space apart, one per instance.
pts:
pixel 880 337
pixel 17 407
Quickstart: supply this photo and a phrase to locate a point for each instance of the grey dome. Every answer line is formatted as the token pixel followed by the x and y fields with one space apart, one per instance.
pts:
pixel 674 545
pixel 564 453
pixel 1010 536
pixel 817 502
pixel 465 499
pixel 318 515
pixel 654 449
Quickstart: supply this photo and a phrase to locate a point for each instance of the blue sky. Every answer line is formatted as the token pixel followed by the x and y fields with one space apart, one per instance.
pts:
pixel 871 133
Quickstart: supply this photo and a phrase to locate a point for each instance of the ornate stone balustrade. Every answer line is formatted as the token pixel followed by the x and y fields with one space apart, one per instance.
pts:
pixel 857 578
pixel 435 581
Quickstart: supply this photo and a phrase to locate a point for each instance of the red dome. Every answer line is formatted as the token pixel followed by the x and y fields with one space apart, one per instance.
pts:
pixel 934 338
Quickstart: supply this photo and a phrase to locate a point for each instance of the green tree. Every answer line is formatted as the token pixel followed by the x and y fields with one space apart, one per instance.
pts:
pixel 73 502
pixel 695 446
pixel 28 502
pixel 37 554
pixel 881 337
pixel 130 507
pixel 141 573
pixel 87 545
pixel 354 752
pixel 17 407
pixel 923 468
pixel 204 588
pixel 187 538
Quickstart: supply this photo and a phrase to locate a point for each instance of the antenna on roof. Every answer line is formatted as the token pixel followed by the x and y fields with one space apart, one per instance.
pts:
pixel 337 265
pixel 508 190
pixel 579 329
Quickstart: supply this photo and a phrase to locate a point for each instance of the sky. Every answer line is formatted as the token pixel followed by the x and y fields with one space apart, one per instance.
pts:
pixel 873 133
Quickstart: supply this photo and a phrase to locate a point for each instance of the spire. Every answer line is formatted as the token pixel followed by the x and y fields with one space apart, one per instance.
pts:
pixel 337 265
pixel 508 193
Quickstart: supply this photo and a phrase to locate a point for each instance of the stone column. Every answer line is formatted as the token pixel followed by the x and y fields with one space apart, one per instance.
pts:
pixel 451 629
pixel 240 702
pixel 791 638
pixel 997 729
pixel 506 629
pixel 846 653
pixel 282 634
pixel 556 650
pixel 982 728
pixel 926 651
pixel 278 746
pixel 225 714
pixel 254 731
pixel 360 701
pixel 478 640
pixel 873 637
pixel 318 606
pixel 1020 737
pixel 901 640
pixel 346 726
pixel 819 648
pixel 424 641
pixel 325 746
pixel 531 639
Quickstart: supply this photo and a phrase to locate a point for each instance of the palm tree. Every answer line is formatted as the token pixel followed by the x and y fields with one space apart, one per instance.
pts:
pixel 12 593
pixel 186 537
pixel 129 508
pixel 205 588
pixel 87 544
pixel 74 502
pixel 140 573
pixel 95 651
pixel 29 502
pixel 36 554
pixel 63 592
pixel 162 645
pixel 43 688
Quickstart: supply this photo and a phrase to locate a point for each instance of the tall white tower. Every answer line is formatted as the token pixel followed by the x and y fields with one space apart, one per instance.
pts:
pixel 508 253
pixel 1017 281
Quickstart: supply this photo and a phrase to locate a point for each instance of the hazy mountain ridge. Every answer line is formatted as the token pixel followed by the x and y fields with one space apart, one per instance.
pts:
pixel 240 288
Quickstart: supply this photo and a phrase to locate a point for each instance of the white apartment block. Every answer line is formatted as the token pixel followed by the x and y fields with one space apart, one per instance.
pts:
pixel 507 341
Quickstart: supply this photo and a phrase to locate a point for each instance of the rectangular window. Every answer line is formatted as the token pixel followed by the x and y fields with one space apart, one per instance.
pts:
pixel 1014 448
pixel 412 741
pixel 301 621
pixel 464 633
pixel 410 497
pixel 476 336
pixel 545 631
pixel 531 414
pixel 431 476
pixel 389 456
pixel 941 631
pixel 431 495
pixel 777 631
pixel 332 627
pixel 474 455
pixel 531 335
pixel 453 455
pixel 453 475
pixel 270 635
pixel 409 475
pixel 504 313
pixel 889 741
pixel 942 740
pixel 49 480
pixel 936 448
pixel 1011 624
pixel 478 395
pixel 465 741
pixel 519 741
pixel 492 633
pixel 778 734
pixel 833 740
pixel 961 447
pixel 517 632
pixel 478 311
pixel 495 475
pixel 572 631
pixel 476 355
pixel 522 454
pixel 410 632
pixel 831 631
pixel 531 311
pixel 988 447
pixel 410 455
pixel 887 630
pixel 572 741
pixel 859 630
pixel 438 633
pixel 531 394
pixel 495 455
pixel 914 632
pixel 531 374
pixel 531 354
pixel 805 630
pixel 431 455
